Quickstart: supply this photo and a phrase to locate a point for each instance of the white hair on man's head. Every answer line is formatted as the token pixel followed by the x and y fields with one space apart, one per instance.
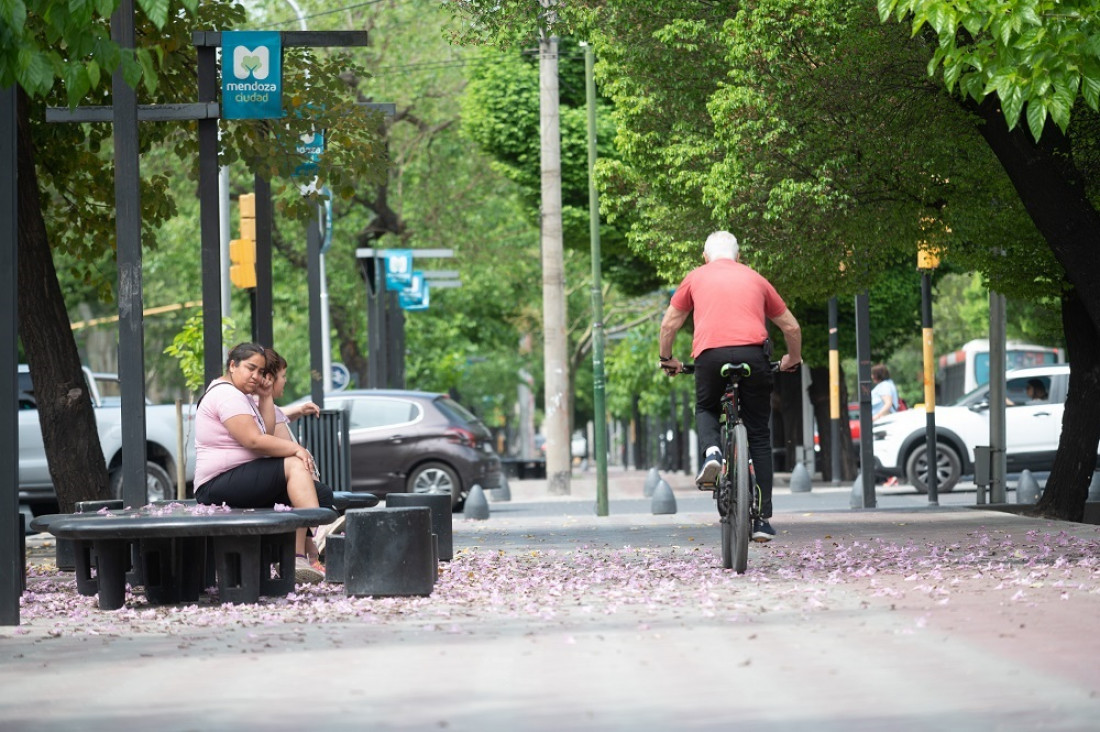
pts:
pixel 721 245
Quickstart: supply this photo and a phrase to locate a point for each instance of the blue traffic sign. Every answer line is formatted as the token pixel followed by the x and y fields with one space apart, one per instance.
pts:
pixel 341 377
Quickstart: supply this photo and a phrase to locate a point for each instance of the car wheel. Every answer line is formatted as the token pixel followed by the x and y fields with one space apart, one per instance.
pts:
pixel 159 486
pixel 435 478
pixel 948 468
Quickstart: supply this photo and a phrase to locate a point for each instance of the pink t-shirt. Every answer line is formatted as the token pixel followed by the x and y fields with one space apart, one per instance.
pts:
pixel 731 305
pixel 215 449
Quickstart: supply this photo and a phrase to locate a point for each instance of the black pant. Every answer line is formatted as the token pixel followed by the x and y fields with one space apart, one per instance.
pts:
pixel 756 408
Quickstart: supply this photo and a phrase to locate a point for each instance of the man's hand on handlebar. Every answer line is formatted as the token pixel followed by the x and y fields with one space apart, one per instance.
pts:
pixel 787 364
pixel 672 366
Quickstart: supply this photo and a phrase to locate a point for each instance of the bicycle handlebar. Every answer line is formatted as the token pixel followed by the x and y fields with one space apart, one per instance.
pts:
pixel 745 369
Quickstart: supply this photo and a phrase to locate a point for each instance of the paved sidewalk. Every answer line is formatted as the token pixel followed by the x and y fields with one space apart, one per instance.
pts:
pixel 904 617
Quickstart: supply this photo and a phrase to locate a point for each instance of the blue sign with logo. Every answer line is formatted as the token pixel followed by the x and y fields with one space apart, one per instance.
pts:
pixel 310 146
pixel 399 269
pixel 416 296
pixel 252 75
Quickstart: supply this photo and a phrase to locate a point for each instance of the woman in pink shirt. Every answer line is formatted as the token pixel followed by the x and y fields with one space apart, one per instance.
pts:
pixel 240 460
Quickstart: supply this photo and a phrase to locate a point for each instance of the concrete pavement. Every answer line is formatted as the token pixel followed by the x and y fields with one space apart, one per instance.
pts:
pixel 904 617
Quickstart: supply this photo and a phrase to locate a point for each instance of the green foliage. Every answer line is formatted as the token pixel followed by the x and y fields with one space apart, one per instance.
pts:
pixel 500 112
pixel 43 42
pixel 188 349
pixel 633 374
pixel 1041 55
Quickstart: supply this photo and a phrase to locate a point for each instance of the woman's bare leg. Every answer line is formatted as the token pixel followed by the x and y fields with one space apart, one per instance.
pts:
pixel 302 494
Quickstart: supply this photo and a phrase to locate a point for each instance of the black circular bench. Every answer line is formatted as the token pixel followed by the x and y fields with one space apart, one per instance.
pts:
pixel 253 550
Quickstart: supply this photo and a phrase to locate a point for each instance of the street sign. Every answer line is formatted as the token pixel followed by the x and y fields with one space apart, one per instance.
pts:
pixel 399 269
pixel 341 377
pixel 252 75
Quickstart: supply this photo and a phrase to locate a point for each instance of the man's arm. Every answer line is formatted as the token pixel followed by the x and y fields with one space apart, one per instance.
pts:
pixel 792 334
pixel 671 323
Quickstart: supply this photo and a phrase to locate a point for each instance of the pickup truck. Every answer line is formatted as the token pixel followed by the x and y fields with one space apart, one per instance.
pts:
pixel 35 485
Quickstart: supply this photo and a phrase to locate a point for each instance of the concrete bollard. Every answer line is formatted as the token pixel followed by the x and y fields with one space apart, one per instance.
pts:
pixel 856 500
pixel 334 558
pixel 800 479
pixel 663 499
pixel 440 505
pixel 477 508
pixel 1027 488
pixel 388 552
pixel 503 492
pixel 652 478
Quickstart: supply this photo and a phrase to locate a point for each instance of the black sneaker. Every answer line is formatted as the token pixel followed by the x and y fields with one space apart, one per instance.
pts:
pixel 708 476
pixel 762 531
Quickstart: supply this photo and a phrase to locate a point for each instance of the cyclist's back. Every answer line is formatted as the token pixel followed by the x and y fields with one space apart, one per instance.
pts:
pixel 731 305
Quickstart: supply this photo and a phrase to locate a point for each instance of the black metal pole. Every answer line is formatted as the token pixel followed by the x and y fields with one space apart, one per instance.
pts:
pixel 209 212
pixel 863 357
pixel 11 562
pixel 834 395
pixel 316 357
pixel 376 322
pixel 263 302
pixel 131 334
pixel 929 388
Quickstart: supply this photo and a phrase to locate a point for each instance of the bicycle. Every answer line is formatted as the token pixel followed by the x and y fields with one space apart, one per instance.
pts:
pixel 736 494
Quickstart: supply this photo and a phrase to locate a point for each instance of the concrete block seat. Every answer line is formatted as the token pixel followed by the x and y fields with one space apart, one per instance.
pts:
pixel 253 550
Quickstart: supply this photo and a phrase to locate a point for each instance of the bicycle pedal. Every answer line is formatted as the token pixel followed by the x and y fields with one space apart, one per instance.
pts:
pixel 706 486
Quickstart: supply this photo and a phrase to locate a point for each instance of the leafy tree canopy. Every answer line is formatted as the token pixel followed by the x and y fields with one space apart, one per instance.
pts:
pixel 1038 56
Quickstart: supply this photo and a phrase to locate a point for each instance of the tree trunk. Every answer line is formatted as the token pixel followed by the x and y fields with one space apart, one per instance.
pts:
pixel 1052 191
pixel 65 412
pixel 1068 485
pixel 556 355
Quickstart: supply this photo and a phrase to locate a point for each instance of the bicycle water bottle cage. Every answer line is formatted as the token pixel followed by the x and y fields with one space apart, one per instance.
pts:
pixel 728 368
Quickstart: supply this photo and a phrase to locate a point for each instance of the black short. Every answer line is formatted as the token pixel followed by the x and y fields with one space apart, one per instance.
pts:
pixel 257 484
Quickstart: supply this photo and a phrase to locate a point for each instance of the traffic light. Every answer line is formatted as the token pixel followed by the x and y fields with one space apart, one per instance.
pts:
pixel 242 252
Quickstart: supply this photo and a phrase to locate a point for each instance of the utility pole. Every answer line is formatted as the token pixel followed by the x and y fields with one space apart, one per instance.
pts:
pixel 558 399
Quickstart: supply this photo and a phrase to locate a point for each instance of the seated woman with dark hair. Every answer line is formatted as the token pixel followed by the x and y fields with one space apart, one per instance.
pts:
pixel 240 459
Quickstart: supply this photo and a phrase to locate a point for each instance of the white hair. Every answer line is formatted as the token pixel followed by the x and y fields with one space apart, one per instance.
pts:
pixel 721 245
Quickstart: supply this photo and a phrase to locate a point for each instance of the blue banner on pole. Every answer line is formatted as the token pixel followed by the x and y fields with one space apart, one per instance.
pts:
pixel 399 269
pixel 252 75
pixel 416 296
pixel 310 146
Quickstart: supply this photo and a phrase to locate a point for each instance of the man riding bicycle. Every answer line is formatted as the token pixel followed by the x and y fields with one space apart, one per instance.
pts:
pixel 731 305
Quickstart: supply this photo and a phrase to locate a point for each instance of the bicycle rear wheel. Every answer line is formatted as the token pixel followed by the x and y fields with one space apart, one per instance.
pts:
pixel 736 527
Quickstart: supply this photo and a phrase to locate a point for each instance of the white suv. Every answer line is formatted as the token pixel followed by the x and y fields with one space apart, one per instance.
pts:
pixel 1033 424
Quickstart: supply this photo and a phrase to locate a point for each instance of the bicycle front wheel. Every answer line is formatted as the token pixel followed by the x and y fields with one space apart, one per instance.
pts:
pixel 737 529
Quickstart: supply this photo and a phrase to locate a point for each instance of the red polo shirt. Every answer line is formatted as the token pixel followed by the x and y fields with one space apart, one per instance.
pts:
pixel 731 305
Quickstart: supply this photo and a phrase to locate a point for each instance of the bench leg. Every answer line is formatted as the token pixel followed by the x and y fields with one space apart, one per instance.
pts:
pixel 277 565
pixel 157 563
pixel 83 556
pixel 237 559
pixel 191 567
pixel 112 562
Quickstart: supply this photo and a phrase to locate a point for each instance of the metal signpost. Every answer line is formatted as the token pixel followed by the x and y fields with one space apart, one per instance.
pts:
pixel 385 315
